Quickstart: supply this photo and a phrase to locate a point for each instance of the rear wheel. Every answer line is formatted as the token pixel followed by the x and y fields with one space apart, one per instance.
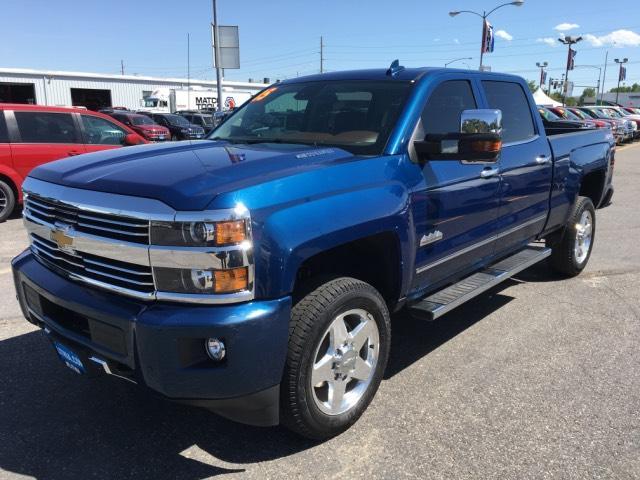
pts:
pixel 571 253
pixel 338 349
pixel 7 201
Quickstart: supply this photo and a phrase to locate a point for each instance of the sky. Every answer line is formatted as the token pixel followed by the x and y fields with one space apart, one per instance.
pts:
pixel 281 38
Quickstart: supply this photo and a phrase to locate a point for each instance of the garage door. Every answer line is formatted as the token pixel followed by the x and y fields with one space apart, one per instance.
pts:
pixel 17 93
pixel 92 98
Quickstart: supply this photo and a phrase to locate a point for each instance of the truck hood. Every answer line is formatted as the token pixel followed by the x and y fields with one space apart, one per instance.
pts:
pixel 186 175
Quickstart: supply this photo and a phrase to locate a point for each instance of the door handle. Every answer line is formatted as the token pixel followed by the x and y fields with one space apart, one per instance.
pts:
pixel 71 153
pixel 489 172
pixel 542 160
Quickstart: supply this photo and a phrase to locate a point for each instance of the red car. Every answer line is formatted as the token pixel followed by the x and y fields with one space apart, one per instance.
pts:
pixel 31 135
pixel 143 125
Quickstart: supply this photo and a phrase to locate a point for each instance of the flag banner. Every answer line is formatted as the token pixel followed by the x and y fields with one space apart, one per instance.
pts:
pixel 571 58
pixel 544 77
pixel 487 38
pixel 623 74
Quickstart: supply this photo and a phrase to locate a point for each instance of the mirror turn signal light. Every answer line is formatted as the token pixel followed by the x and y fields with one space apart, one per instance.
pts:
pixel 488 146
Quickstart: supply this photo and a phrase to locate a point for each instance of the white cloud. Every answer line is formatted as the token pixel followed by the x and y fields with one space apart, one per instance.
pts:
pixel 565 27
pixel 618 38
pixel 552 42
pixel 456 41
pixel 504 35
pixel 436 39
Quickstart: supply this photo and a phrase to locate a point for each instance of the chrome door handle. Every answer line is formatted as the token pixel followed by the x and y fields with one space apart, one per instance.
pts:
pixel 542 160
pixel 489 172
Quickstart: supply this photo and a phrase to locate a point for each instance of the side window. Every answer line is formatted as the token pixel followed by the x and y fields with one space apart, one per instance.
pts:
pixel 442 112
pixel 4 135
pixel 40 127
pixel 517 123
pixel 99 131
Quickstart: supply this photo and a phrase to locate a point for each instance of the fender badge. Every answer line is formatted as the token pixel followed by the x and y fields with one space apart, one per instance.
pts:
pixel 434 236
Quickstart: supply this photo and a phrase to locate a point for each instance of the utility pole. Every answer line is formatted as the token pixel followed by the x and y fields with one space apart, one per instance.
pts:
pixel 121 67
pixel 321 55
pixel 542 66
pixel 621 63
pixel 604 76
pixel 216 54
pixel 568 41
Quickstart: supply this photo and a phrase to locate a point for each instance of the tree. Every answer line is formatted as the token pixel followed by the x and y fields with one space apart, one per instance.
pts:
pixel 587 92
pixel 633 88
pixel 533 86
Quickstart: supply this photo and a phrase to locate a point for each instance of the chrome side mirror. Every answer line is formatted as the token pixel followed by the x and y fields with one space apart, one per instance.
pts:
pixel 481 121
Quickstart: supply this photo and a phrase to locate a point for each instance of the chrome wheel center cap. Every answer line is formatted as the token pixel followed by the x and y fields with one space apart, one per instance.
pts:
pixel 345 361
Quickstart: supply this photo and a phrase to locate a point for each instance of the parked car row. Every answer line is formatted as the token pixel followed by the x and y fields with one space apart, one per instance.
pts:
pixel 624 122
pixel 31 135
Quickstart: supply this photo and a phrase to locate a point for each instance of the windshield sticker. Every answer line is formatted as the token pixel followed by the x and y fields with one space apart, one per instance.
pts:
pixel 315 153
pixel 264 94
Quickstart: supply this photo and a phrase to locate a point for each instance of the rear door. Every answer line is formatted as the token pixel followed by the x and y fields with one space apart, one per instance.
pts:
pixel 455 215
pixel 525 165
pixel 41 137
pixel 6 160
pixel 100 133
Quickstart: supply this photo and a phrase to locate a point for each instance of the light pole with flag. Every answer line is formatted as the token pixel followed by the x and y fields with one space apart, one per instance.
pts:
pixel 571 57
pixel 543 74
pixel 487 28
pixel 622 74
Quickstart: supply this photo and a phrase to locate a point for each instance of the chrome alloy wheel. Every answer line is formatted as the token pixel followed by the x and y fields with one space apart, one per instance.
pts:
pixel 584 235
pixel 3 200
pixel 345 361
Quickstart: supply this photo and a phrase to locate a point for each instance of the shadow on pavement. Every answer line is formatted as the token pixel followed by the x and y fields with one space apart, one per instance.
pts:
pixel 56 425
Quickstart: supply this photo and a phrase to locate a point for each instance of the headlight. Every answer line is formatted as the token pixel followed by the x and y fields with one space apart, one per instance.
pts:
pixel 198 234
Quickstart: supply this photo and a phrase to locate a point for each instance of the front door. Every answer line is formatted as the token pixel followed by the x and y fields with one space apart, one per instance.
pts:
pixel 455 213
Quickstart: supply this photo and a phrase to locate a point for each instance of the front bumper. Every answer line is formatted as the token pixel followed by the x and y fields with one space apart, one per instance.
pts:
pixel 161 345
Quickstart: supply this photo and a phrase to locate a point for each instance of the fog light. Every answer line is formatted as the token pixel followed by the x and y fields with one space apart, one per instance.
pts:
pixel 215 349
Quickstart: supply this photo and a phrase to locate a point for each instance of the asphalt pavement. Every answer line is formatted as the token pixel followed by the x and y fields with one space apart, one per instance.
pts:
pixel 539 378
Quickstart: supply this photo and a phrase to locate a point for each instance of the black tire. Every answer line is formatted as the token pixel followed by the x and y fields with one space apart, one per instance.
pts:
pixel 7 201
pixel 563 256
pixel 310 319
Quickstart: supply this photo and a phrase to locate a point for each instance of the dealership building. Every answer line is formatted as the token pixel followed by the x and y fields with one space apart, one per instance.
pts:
pixel 95 90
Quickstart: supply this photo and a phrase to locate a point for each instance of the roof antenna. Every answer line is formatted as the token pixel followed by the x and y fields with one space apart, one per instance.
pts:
pixel 395 68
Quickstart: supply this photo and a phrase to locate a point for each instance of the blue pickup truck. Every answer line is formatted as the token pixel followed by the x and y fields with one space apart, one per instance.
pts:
pixel 253 273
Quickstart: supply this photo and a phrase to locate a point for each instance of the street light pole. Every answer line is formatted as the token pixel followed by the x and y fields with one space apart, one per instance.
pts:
pixel 567 41
pixel 599 76
pixel 216 54
pixel 620 62
pixel 484 15
pixel 457 60
pixel 542 66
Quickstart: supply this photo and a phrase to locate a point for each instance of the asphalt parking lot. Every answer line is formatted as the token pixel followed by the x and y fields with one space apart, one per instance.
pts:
pixel 540 378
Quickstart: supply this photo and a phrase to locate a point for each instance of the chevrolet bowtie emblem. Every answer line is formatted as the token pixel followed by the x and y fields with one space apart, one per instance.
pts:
pixel 62 239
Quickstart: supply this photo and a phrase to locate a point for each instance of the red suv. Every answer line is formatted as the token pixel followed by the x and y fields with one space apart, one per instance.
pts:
pixel 142 125
pixel 31 135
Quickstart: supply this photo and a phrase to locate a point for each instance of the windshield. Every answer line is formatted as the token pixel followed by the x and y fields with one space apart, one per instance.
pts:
pixel 355 115
pixel 548 114
pixel 568 114
pixel 150 102
pixel 177 120
pixel 613 113
pixel 580 114
pixel 142 120
pixel 207 120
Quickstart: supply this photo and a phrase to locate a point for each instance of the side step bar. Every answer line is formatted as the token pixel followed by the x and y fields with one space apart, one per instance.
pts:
pixel 455 295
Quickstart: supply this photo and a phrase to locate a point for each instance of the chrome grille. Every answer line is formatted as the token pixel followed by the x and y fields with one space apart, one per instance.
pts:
pixel 92 267
pixel 106 225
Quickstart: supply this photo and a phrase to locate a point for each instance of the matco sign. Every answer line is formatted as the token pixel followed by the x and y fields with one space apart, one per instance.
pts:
pixel 206 102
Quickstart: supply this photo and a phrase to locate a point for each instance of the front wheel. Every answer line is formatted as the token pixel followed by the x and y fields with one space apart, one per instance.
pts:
pixel 571 253
pixel 338 349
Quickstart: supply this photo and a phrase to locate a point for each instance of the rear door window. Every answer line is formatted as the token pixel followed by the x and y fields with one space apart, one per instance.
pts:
pixel 46 127
pixel 4 135
pixel 517 122
pixel 98 131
